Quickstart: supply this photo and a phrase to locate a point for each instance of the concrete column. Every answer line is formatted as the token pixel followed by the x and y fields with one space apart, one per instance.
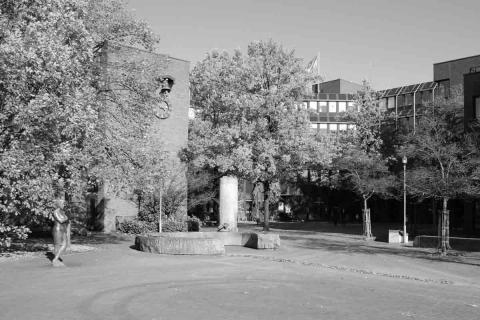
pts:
pixel 229 202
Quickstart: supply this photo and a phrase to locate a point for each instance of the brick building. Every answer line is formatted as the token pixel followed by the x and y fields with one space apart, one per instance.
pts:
pixel 171 131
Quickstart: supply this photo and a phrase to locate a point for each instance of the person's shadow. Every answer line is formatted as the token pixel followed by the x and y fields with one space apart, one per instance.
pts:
pixel 49 255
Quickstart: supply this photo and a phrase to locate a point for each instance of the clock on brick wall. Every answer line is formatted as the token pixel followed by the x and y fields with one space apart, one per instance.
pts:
pixel 163 107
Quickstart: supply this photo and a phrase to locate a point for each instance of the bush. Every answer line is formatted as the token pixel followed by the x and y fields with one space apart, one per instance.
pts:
pixel 8 233
pixel 193 224
pixel 174 226
pixel 137 227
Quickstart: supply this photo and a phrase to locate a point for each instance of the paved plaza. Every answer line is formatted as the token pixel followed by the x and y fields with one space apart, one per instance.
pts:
pixel 312 276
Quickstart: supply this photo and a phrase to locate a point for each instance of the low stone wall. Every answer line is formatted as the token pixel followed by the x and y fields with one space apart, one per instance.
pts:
pixel 204 242
pixel 180 245
pixel 464 244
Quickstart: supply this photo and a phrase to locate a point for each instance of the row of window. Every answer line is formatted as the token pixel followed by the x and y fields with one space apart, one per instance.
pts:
pixel 327 106
pixel 422 97
pixel 332 126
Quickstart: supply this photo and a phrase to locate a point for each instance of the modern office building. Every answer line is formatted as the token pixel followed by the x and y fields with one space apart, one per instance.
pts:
pixel 328 103
pixel 408 102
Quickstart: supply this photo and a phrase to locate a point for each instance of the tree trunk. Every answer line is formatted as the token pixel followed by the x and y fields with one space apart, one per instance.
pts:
pixel 266 207
pixel 444 229
pixel 367 226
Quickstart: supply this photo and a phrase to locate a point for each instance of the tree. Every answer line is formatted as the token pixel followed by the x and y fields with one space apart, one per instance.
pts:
pixel 249 124
pixel 361 166
pixel 55 126
pixel 444 160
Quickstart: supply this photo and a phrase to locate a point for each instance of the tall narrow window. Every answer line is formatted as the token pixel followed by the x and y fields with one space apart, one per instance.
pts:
pixel 322 106
pixel 332 106
pixel 476 107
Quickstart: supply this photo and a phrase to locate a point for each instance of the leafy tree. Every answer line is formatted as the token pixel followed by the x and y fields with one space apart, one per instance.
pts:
pixel 361 166
pixel 444 160
pixel 55 124
pixel 249 124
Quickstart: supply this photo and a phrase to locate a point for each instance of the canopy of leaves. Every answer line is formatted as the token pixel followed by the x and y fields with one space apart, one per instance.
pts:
pixel 52 99
pixel 248 123
pixel 442 159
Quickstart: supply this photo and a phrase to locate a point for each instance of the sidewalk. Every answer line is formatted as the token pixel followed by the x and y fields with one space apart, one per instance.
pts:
pixel 350 253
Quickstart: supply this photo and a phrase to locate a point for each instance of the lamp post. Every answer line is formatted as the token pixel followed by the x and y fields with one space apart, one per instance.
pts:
pixel 404 161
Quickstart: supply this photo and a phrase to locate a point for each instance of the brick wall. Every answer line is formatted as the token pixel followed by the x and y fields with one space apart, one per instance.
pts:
pixel 454 70
pixel 172 132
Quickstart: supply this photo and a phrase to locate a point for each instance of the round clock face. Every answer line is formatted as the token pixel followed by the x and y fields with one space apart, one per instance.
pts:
pixel 162 110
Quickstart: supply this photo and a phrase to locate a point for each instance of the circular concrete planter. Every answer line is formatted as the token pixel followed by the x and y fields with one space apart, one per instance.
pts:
pixel 179 243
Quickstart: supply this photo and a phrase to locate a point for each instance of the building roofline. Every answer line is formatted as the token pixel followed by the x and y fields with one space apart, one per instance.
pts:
pixel 474 56
pixel 147 51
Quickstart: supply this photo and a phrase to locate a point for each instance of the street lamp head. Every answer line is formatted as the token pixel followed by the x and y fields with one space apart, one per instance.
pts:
pixel 404 160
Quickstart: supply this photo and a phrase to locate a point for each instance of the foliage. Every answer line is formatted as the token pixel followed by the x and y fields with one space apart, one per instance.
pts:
pixel 55 125
pixel 202 188
pixel 194 224
pixel 136 226
pixel 248 122
pixel 442 160
pixel 9 233
pixel 174 226
pixel 361 166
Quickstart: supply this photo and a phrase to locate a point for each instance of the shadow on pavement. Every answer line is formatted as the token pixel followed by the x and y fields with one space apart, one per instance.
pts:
pixel 360 246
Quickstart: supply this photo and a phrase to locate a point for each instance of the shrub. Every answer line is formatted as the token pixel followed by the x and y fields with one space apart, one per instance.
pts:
pixel 8 233
pixel 193 224
pixel 137 227
pixel 174 226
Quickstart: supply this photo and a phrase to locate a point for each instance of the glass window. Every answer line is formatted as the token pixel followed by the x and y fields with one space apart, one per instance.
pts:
pixel 322 106
pixel 312 105
pixel 323 126
pixel 304 105
pixel 351 127
pixel 391 103
pixel 313 126
pixel 342 126
pixel 382 103
pixel 409 99
pixel 476 107
pixel 342 106
pixel 333 127
pixel 332 106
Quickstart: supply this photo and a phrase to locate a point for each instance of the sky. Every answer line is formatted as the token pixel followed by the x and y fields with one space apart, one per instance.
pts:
pixel 390 43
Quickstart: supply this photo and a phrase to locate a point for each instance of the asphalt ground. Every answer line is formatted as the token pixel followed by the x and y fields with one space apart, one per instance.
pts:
pixel 314 275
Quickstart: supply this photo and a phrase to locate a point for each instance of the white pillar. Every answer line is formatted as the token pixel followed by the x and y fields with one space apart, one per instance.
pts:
pixel 229 202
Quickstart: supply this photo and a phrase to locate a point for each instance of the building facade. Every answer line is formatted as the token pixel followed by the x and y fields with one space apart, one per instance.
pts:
pixel 170 129
pixel 328 104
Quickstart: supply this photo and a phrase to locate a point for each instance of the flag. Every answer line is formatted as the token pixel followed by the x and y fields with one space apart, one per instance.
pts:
pixel 312 66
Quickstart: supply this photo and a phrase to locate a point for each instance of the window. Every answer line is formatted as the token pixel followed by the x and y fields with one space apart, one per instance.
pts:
pixel 342 106
pixel 351 127
pixel 444 88
pixel 342 127
pixel 391 103
pixel 313 126
pixel 312 105
pixel 382 104
pixel 351 105
pixel 332 106
pixel 322 106
pixel 323 126
pixel 304 105
pixel 333 127
pixel 476 107
pixel 409 99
